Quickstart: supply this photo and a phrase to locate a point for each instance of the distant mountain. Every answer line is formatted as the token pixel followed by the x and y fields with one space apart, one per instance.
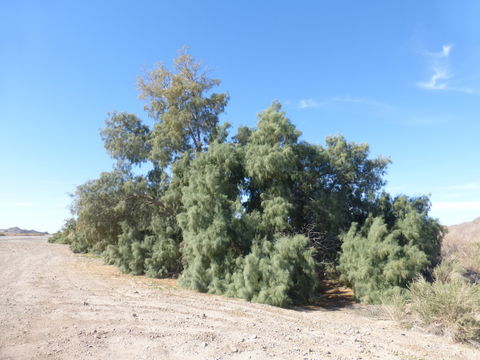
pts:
pixel 17 231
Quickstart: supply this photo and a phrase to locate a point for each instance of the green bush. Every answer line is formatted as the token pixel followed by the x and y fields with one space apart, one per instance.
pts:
pixel 278 273
pixel 64 236
pixel 253 216
pixel 379 261
pixel 58 238
pixel 79 243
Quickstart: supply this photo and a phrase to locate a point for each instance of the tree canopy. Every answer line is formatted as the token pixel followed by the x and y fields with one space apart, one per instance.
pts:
pixel 258 214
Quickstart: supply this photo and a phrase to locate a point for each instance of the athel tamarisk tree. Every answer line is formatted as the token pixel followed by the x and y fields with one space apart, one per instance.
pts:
pixel 257 214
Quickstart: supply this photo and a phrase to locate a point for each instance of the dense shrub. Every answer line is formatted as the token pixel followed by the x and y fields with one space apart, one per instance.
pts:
pixel 259 215
pixel 58 238
pixel 378 260
pixel 79 243
pixel 450 307
pixel 65 235
pixel 279 273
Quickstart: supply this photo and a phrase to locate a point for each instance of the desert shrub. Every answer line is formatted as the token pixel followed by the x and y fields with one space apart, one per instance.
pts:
pixel 210 225
pixel 128 254
pixel 447 307
pixel 58 238
pixel 449 271
pixel 278 273
pixel 79 243
pixel 218 229
pixel 65 234
pixel 378 260
pixel 259 215
pixel 467 254
pixel 164 250
pixel 98 217
pixel 376 264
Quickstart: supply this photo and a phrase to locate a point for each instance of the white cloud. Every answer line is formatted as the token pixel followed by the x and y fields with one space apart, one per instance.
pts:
pixel 467 186
pixel 444 53
pixel 436 82
pixel 439 80
pixel 311 103
pixel 446 49
pixel 307 103
pixel 456 205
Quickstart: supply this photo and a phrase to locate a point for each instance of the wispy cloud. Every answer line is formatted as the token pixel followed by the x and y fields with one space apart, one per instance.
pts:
pixel 444 53
pixel 308 103
pixel 467 186
pixel 441 73
pixel 17 204
pixel 456 205
pixel 437 81
pixel 312 103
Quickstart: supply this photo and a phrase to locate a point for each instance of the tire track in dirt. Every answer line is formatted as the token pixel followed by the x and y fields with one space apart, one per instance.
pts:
pixel 58 305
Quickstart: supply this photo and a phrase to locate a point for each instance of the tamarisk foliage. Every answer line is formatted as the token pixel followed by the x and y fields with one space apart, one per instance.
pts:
pixel 388 252
pixel 256 215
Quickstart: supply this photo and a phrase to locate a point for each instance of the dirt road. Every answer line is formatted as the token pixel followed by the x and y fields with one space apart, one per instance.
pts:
pixel 57 305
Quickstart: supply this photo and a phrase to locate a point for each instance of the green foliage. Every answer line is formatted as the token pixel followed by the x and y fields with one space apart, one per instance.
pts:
pixel 126 138
pixel 218 230
pixel 186 114
pixel 59 238
pixel 65 235
pixel 79 243
pixel 278 273
pixel 378 260
pixel 212 238
pixel 98 218
pixel 255 216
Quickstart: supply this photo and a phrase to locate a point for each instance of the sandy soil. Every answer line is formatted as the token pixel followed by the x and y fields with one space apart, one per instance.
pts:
pixel 57 305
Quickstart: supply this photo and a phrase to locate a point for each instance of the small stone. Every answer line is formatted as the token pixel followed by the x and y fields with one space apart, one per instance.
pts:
pixel 204 344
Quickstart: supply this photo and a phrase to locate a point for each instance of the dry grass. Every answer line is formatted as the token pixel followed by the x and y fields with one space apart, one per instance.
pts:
pixel 448 306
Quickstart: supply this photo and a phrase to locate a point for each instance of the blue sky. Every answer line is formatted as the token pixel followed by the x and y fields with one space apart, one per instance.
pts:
pixel 402 76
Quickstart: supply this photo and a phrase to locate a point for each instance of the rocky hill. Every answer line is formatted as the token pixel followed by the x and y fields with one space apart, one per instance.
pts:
pixel 17 231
